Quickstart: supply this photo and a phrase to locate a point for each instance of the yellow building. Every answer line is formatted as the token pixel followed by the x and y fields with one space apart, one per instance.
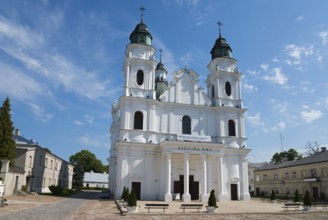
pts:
pixel 309 173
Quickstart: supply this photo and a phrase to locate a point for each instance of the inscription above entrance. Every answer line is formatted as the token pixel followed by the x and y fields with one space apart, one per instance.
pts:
pixel 195 148
pixel 193 138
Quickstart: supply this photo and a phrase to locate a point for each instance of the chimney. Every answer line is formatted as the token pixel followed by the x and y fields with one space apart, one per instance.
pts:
pixel 323 149
pixel 17 132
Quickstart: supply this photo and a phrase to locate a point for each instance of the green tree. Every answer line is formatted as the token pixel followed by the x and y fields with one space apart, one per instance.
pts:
pixel 273 195
pixel 212 199
pixel 132 200
pixel 7 144
pixel 284 156
pixel 297 196
pixel 307 199
pixel 84 161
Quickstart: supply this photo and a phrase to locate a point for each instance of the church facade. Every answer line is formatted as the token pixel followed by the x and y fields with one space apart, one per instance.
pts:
pixel 172 140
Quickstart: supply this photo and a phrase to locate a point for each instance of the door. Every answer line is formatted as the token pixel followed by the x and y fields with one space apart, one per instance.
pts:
pixel 137 189
pixel 234 192
pixel 258 192
pixel 315 192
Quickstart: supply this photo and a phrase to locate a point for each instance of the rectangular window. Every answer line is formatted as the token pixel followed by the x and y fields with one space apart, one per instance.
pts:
pixel 276 177
pixel 257 178
pixel 56 165
pixel 44 182
pixel 46 163
pixel 277 190
pixel 294 175
pixel 51 164
pixel 30 161
pixel 49 182
pixel 288 190
pixel 265 177
pixel 313 173
pixel 286 176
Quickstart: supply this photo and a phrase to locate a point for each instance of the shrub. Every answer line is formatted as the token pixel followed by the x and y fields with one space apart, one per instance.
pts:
pixel 1 178
pixel 132 200
pixel 273 195
pixel 262 194
pixel 307 199
pixel 24 188
pixel 56 190
pixel 212 199
pixel 297 196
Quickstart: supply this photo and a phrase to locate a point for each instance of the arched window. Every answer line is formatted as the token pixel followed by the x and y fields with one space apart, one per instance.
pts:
pixel 228 88
pixel 186 125
pixel 140 77
pixel 138 120
pixel 232 128
pixel 213 91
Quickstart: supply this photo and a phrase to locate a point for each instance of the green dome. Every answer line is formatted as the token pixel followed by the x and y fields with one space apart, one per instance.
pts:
pixel 141 35
pixel 221 48
pixel 161 87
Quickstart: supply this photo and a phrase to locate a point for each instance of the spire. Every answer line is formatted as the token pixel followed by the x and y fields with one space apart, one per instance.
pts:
pixel 220 24
pixel 221 48
pixel 160 55
pixel 142 9
pixel 141 35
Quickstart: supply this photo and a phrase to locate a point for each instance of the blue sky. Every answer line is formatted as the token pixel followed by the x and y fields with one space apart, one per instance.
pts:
pixel 61 65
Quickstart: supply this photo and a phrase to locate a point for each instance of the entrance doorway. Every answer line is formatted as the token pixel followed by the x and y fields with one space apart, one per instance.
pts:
pixel 234 191
pixel 315 192
pixel 193 187
pixel 137 189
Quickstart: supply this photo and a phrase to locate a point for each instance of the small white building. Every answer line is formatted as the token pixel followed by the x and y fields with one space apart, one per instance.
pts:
pixel 92 179
pixel 172 139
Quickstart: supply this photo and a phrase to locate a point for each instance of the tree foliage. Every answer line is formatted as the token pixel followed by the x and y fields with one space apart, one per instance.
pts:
pixel 307 199
pixel 297 196
pixel 289 155
pixel 7 144
pixel 212 199
pixel 273 195
pixel 312 148
pixel 84 161
pixel 132 198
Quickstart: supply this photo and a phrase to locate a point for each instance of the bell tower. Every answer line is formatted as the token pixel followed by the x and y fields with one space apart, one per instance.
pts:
pixel 139 63
pixel 223 80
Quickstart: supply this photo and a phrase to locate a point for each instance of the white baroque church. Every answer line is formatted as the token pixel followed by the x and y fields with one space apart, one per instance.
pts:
pixel 172 140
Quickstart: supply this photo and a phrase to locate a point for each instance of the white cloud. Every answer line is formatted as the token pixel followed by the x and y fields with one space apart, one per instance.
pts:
pixel 89 118
pixel 278 127
pixel 324 37
pixel 20 86
pixel 77 122
pixel 56 68
pixel 189 2
pixel 249 87
pixel 299 18
pixel 264 67
pixel 22 36
pixel 310 115
pixel 277 77
pixel 297 53
pixel 40 112
pixel 255 120
pixel 94 140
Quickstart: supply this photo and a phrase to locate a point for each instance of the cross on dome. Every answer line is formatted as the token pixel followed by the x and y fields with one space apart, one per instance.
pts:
pixel 142 9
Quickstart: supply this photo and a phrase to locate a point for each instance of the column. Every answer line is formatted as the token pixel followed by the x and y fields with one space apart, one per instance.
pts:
pixel 222 188
pixel 168 195
pixel 186 195
pixel 204 196
pixel 244 179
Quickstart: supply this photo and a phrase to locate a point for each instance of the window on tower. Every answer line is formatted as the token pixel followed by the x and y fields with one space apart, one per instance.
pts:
pixel 213 91
pixel 228 88
pixel 186 125
pixel 232 128
pixel 140 77
pixel 138 120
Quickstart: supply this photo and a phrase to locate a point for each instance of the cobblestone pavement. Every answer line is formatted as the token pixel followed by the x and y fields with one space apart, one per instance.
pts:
pixel 87 205
pixel 58 210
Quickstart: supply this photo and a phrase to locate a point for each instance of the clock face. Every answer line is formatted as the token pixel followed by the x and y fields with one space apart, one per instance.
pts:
pixel 227 88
